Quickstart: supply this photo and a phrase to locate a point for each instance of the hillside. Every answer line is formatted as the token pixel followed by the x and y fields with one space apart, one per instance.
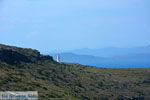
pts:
pixel 27 70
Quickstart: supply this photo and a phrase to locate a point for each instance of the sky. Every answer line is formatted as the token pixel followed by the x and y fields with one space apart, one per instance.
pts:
pixel 50 25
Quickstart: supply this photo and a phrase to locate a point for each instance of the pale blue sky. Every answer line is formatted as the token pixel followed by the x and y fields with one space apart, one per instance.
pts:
pixel 49 25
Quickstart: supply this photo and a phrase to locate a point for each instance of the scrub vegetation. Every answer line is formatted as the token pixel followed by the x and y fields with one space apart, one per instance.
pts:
pixel 27 70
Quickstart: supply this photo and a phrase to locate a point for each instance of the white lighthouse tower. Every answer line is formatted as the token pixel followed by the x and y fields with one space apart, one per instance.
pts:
pixel 58 58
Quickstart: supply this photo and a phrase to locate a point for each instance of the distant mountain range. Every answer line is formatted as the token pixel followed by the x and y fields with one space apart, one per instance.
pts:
pixel 112 51
pixel 109 57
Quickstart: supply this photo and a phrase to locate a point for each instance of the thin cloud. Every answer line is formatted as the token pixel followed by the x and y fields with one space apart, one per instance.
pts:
pixel 1 4
pixel 31 35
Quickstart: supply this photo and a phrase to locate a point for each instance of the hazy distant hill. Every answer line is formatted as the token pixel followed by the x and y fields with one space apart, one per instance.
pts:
pixel 110 57
pixel 24 69
pixel 112 51
pixel 81 59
